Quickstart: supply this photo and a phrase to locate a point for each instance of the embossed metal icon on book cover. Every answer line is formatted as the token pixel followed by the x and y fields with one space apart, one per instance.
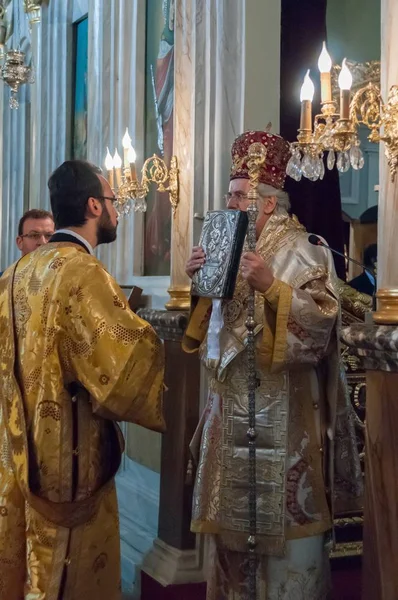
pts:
pixel 222 239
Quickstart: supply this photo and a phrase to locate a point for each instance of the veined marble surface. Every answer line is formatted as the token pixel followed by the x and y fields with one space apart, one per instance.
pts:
pixel 138 498
pixel 387 264
pixel 375 345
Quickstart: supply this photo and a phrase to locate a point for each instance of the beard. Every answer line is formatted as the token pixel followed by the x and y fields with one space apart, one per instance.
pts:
pixel 106 232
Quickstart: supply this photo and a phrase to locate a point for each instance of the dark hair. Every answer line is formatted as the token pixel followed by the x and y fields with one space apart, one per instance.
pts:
pixel 71 185
pixel 370 255
pixel 34 213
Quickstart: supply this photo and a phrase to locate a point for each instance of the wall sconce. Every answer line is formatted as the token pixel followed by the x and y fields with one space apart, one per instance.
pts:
pixel 336 131
pixel 131 192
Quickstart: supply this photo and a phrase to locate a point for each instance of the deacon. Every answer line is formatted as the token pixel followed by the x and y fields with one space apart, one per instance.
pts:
pixel 304 423
pixel 74 359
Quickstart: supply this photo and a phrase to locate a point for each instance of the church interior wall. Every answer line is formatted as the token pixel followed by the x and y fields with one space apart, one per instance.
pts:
pixel 359 43
pixel 229 81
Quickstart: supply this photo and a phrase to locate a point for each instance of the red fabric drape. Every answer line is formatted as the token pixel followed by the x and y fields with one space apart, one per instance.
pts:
pixel 316 204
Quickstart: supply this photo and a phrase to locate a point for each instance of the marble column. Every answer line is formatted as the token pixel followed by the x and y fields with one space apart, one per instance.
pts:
pixel 377 347
pixel 208 115
pixel 387 264
pixel 50 102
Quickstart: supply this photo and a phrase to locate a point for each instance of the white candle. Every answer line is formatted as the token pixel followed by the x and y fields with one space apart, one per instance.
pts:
pixel 109 168
pixel 306 96
pixel 325 65
pixel 126 141
pixel 345 83
pixel 131 156
pixel 117 163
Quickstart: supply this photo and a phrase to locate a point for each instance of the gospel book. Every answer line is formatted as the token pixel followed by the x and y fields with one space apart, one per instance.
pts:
pixel 222 239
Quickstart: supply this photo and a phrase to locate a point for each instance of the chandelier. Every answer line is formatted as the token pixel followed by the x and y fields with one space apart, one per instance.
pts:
pixel 14 70
pixel 335 130
pixel 129 191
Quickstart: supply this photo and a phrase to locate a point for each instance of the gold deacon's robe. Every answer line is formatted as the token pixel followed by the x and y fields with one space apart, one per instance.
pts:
pixel 74 359
pixel 307 458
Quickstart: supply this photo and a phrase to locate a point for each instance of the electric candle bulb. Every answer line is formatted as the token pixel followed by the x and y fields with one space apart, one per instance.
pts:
pixel 307 89
pixel 117 161
pixel 345 77
pixel 324 61
pixel 306 96
pixel 345 83
pixel 108 161
pixel 126 141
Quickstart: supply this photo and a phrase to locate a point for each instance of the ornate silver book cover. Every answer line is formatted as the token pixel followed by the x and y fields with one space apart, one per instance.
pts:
pixel 222 239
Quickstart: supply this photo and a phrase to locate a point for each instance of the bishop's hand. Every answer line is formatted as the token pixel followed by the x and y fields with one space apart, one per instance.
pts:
pixel 256 272
pixel 196 261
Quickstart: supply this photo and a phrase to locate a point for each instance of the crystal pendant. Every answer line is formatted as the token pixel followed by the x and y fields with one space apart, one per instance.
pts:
pixel 356 158
pixel 14 100
pixel 331 159
pixel 32 75
pixel 293 167
pixel 126 208
pixel 306 166
pixel 316 169
pixel 343 162
pixel 142 206
pixel 310 167
pixel 322 169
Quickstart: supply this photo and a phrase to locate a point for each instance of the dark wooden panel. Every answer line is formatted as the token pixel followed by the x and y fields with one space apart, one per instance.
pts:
pixel 181 406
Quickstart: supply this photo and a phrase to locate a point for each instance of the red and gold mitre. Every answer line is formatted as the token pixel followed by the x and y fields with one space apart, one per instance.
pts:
pixel 273 171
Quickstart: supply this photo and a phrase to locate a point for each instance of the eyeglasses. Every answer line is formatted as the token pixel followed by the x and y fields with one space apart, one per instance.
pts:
pixel 35 235
pixel 113 199
pixel 238 197
pixel 115 203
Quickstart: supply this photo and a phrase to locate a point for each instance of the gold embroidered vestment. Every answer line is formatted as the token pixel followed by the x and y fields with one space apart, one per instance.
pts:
pixel 79 361
pixel 304 422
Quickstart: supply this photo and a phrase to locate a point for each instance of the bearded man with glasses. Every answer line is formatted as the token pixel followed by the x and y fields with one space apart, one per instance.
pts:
pixel 74 360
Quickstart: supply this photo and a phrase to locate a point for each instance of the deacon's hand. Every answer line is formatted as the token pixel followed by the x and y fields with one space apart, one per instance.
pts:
pixel 256 272
pixel 195 262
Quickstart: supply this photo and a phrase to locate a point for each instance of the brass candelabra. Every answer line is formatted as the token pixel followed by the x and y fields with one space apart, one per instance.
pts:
pixel 131 192
pixel 335 131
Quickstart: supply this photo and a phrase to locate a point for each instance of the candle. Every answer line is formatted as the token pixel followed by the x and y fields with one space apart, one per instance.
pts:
pixel 126 141
pixel 109 168
pixel 325 65
pixel 345 83
pixel 117 163
pixel 131 156
pixel 306 96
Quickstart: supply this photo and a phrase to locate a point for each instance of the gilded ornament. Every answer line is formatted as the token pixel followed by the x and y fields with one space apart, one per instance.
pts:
pixel 337 133
pixel 14 72
pixel 32 9
pixel 154 171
